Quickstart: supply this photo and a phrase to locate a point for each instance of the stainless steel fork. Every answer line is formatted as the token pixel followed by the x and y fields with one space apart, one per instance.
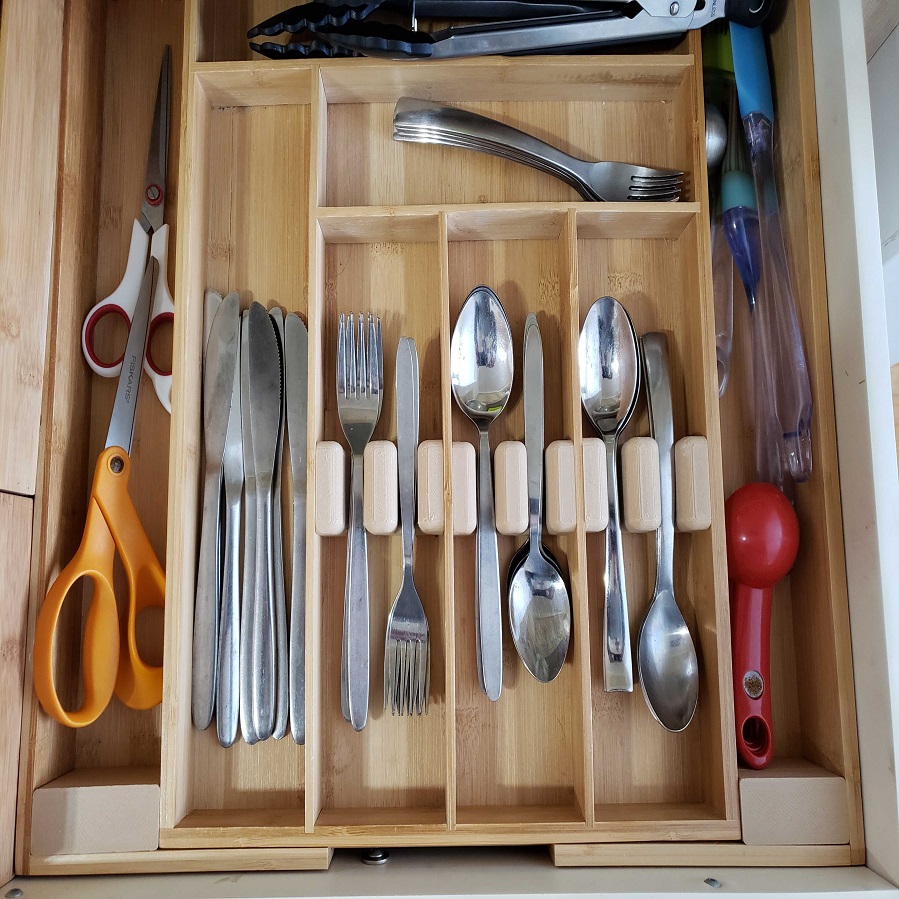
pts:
pixel 421 121
pixel 407 653
pixel 360 377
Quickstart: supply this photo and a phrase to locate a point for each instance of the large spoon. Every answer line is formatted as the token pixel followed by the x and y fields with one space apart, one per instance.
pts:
pixel 666 657
pixel 481 369
pixel 609 365
pixel 539 606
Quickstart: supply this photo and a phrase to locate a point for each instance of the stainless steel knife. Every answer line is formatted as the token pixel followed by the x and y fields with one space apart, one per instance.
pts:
pixel 248 586
pixel 264 413
pixel 218 378
pixel 280 601
pixel 227 698
pixel 296 360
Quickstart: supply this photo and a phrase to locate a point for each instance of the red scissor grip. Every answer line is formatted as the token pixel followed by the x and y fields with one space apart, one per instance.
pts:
pixel 154 324
pixel 92 321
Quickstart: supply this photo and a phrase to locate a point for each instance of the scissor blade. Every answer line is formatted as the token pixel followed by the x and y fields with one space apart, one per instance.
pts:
pixel 153 207
pixel 124 410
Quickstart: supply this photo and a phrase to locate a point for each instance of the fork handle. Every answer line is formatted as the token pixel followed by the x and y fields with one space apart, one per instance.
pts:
pixel 463 125
pixel 355 606
pixel 407 438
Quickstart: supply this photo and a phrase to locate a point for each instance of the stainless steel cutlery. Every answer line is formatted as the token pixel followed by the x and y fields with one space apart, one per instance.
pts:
pixel 407 654
pixel 218 381
pixel 360 379
pixel 422 121
pixel 296 362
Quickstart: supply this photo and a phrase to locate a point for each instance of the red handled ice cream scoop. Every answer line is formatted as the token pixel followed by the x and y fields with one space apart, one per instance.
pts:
pixel 762 540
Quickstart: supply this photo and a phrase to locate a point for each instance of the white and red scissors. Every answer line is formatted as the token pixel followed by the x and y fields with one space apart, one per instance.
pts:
pixel 149 240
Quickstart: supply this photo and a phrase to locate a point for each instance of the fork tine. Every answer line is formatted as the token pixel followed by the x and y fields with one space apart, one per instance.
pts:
pixel 389 663
pixel 654 177
pixel 341 356
pixel 361 373
pixel 424 670
pixel 374 384
pixel 352 386
pixel 663 197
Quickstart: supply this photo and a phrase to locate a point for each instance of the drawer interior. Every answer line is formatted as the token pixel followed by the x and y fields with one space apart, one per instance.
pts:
pixel 292 191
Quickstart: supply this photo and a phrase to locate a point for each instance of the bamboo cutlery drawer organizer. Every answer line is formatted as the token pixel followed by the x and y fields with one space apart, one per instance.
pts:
pixel 286 184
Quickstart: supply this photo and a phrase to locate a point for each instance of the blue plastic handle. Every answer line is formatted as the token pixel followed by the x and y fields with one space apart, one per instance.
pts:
pixel 751 71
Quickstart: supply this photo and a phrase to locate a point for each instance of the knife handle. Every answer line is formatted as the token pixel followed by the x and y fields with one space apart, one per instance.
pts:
pixel 206 603
pixel 227 704
pixel 297 660
pixel 282 702
pixel 356 608
pixel 247 610
pixel 263 657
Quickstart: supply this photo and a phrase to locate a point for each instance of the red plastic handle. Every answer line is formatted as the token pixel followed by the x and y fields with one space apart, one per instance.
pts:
pixel 750 619
pixel 762 542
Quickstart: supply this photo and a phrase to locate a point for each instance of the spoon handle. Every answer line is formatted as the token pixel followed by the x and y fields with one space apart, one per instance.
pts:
pixel 661 426
pixel 617 668
pixel 533 423
pixel 489 612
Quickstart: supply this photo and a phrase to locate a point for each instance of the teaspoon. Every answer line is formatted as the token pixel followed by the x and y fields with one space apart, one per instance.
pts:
pixel 666 657
pixel 482 369
pixel 608 359
pixel 539 605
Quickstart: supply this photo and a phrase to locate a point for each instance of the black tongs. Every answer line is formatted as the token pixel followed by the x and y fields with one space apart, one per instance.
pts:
pixel 348 27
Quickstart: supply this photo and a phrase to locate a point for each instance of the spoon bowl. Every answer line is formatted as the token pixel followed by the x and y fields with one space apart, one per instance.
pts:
pixel 715 136
pixel 609 364
pixel 481 369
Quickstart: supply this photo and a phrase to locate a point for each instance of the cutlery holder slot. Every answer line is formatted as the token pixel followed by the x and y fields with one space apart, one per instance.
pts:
pixel 658 777
pixel 590 112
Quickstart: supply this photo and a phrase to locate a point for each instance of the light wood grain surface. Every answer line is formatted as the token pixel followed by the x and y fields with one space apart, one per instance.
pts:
pixel 30 79
pixel 294 192
pixel 15 553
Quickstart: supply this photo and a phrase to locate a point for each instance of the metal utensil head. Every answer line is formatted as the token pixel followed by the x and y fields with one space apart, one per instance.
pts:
pixel 265 386
pixel 609 366
pixel 124 410
pixel 481 361
pixel 219 364
pixel 153 206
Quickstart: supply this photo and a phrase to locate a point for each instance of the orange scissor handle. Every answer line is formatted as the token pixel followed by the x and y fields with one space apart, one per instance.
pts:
pixel 112 524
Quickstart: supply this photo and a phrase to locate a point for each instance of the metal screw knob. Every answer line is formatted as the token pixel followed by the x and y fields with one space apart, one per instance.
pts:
pixel 375 857
pixel 674 9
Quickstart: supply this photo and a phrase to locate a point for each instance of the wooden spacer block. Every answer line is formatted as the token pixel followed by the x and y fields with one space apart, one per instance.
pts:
pixel 793 802
pixel 430 487
pixel 465 503
pixel 330 489
pixel 97 810
pixel 561 502
pixel 692 490
pixel 510 486
pixel 380 488
pixel 596 492
pixel 641 489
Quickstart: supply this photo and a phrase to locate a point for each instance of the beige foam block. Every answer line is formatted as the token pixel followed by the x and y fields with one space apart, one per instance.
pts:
pixel 641 490
pixel 465 503
pixel 596 493
pixel 510 485
pixel 793 803
pixel 561 502
pixel 430 487
pixel 380 488
pixel 97 810
pixel 330 489
pixel 693 497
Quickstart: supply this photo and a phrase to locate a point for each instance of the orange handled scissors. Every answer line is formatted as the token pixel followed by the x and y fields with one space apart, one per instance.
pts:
pixel 149 235
pixel 112 662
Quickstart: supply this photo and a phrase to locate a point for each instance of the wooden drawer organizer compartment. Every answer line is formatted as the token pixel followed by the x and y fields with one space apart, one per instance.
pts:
pixel 290 187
